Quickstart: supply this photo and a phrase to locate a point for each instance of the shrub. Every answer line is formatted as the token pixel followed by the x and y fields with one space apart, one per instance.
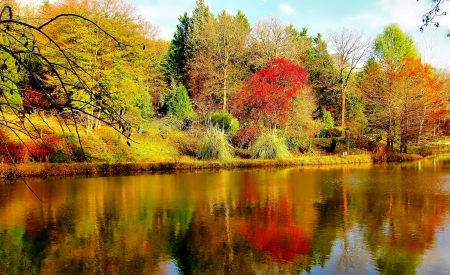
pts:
pixel 301 145
pixel 179 105
pixel 425 151
pixel 332 147
pixel 215 145
pixel 244 137
pixel 187 146
pixel 269 146
pixel 327 119
pixel 225 121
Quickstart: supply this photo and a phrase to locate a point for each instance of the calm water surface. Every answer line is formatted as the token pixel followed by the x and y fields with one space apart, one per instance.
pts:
pixel 370 219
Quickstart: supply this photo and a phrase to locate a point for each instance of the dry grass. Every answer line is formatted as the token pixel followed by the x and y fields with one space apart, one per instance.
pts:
pixel 177 164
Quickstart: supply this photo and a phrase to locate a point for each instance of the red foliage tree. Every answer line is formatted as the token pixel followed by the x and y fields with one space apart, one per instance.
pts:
pixel 33 99
pixel 267 94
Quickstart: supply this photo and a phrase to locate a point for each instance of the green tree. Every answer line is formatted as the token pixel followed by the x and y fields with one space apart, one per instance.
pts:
pixel 393 45
pixel 180 105
pixel 322 75
pixel 175 63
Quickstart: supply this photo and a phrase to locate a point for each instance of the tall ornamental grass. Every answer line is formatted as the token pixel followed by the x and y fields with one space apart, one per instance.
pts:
pixel 215 145
pixel 269 146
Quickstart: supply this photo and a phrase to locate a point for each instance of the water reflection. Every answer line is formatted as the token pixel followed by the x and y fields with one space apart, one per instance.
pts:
pixel 388 219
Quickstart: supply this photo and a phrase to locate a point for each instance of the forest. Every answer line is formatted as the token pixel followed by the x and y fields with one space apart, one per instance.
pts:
pixel 92 80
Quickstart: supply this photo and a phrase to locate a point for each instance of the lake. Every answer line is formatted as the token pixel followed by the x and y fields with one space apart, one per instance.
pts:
pixel 360 219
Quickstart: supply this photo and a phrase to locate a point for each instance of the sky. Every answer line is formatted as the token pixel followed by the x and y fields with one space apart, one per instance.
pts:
pixel 321 16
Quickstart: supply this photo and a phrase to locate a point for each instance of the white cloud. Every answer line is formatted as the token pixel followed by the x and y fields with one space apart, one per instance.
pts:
pixel 286 9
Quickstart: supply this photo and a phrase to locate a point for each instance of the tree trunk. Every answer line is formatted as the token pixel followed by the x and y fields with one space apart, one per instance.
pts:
pixel 343 105
pixel 225 75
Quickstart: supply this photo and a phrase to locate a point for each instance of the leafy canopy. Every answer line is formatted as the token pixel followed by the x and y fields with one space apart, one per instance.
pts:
pixel 267 94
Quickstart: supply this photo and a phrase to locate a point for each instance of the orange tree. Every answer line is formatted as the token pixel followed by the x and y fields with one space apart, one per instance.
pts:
pixel 420 103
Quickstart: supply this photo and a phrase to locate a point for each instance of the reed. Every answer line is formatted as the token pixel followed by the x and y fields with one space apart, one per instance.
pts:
pixel 269 146
pixel 215 145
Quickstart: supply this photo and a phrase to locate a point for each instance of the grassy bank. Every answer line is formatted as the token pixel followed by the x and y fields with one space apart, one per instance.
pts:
pixel 71 169
pixel 161 148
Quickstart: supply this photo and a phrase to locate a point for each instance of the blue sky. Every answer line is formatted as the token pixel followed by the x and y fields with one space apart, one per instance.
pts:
pixel 370 16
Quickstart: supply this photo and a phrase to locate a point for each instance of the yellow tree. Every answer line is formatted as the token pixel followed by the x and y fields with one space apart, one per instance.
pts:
pixel 125 78
pixel 229 35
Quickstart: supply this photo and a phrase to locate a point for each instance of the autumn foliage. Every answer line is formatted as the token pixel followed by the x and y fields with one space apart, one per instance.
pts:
pixel 33 99
pixel 35 151
pixel 267 94
pixel 278 236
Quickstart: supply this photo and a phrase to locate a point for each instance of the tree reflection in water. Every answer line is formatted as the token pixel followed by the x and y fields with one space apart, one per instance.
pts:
pixel 346 220
pixel 275 234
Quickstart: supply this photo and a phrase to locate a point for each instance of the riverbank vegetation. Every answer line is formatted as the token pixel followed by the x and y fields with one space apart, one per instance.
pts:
pixel 225 92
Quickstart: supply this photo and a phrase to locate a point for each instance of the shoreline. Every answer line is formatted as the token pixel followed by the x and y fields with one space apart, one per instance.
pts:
pixel 42 170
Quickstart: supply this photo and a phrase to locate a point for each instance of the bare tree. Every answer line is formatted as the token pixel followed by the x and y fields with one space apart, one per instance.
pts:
pixel 430 16
pixel 351 51
pixel 271 39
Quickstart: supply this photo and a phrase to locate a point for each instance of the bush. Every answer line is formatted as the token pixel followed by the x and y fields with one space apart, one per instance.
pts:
pixel 332 147
pixel 244 137
pixel 425 151
pixel 179 105
pixel 327 119
pixel 215 145
pixel 302 145
pixel 225 121
pixel 269 146
pixel 187 146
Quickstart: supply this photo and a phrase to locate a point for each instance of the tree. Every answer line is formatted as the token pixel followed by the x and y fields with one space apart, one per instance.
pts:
pixel 266 98
pixel 128 75
pixel 429 17
pixel 200 70
pixel 389 50
pixel 52 77
pixel 380 98
pixel 179 105
pixel 214 51
pixel 322 74
pixel 229 37
pixel 351 51
pixel 175 63
pixel 419 101
pixel 392 46
pixel 271 39
pixel 412 105
pixel 301 123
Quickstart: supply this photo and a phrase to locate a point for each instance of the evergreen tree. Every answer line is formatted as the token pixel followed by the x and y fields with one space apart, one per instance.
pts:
pixel 322 74
pixel 175 63
pixel 179 105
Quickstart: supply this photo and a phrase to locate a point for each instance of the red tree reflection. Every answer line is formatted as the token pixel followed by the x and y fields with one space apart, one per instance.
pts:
pixel 271 229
